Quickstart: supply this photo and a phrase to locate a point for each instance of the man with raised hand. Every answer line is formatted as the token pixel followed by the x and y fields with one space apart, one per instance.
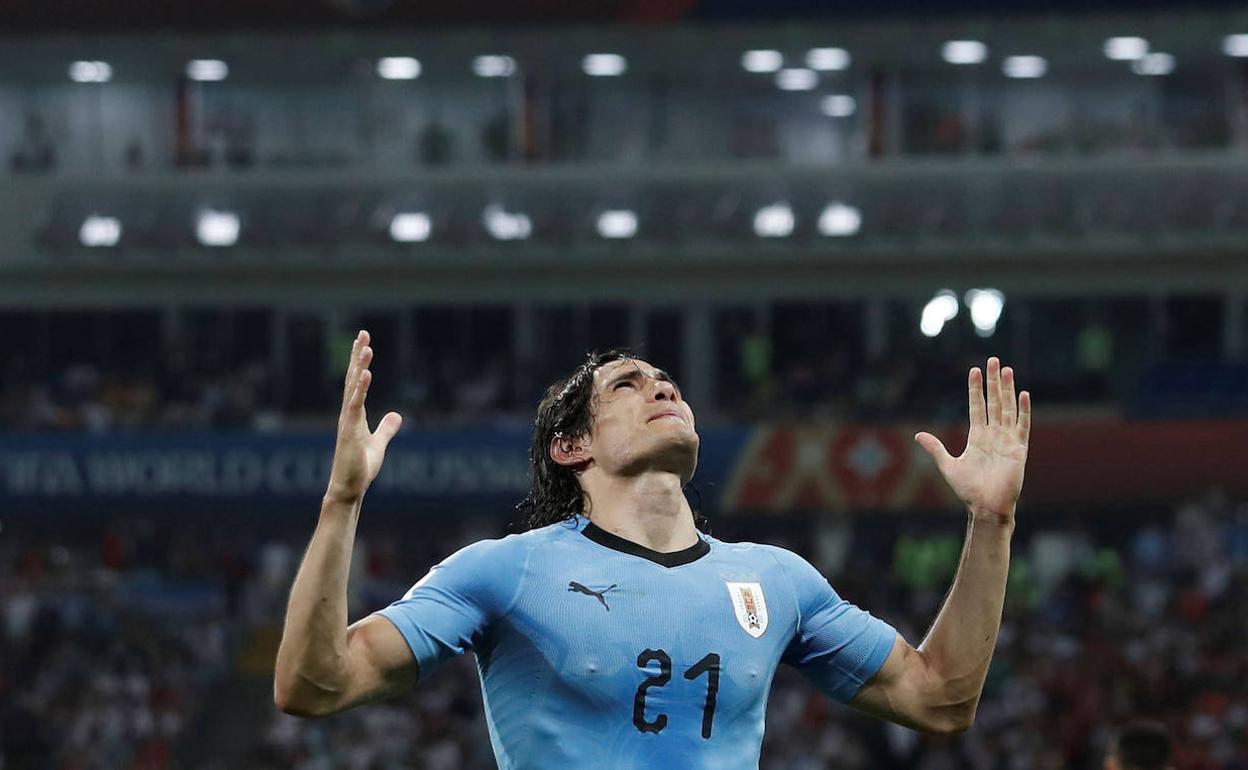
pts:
pixel 614 633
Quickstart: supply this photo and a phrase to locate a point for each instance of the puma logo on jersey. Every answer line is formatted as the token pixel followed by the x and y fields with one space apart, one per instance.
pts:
pixel 576 587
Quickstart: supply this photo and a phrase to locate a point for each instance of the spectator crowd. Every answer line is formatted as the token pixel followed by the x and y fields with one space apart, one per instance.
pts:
pixel 113 634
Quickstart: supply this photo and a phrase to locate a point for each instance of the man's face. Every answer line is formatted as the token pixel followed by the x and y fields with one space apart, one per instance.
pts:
pixel 641 421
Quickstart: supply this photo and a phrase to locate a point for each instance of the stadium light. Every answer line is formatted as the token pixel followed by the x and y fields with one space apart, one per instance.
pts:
pixel 206 70
pixel 398 68
pixel 796 79
pixel 827 59
pixel 505 225
pixel 964 52
pixel 98 231
pixel 1235 45
pixel 1127 48
pixel 604 64
pixel 1156 63
pixel 494 66
pixel 1024 66
pixel 838 105
pixel 411 227
pixel 938 311
pixel 985 306
pixel 617 223
pixel 762 61
pixel 90 72
pixel 217 228
pixel 774 221
pixel 837 219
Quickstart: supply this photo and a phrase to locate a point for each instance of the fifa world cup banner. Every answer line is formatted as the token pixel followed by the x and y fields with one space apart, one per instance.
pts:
pixel 282 471
pixel 869 467
pixel 747 469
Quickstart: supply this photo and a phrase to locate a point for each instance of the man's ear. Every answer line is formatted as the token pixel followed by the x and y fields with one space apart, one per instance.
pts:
pixel 570 452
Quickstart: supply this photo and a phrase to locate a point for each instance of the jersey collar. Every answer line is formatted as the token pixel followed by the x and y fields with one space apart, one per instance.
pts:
pixel 673 559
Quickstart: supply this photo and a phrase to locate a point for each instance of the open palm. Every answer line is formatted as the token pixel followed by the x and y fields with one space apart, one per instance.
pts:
pixel 988 475
pixel 359 452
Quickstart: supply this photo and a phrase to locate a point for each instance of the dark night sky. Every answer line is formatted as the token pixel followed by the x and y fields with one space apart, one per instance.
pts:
pixel 17 16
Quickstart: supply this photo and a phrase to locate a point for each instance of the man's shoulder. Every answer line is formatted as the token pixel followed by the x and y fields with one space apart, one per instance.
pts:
pixel 748 548
pixel 511 547
pixel 769 555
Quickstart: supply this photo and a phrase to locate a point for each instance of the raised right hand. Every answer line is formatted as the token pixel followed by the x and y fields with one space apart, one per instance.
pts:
pixel 359 453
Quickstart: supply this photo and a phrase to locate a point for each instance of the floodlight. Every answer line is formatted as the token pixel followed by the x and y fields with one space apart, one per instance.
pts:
pixel 617 223
pixel 1156 63
pixel 774 221
pixel 205 70
pixel 838 219
pixel 796 79
pixel 1024 66
pixel 938 311
pixel 98 231
pixel 604 64
pixel 762 61
pixel 1235 45
pixel 398 68
pixel 964 51
pixel 217 228
pixel 90 72
pixel 827 59
pixel 411 227
pixel 494 66
pixel 985 306
pixel 1126 48
pixel 505 225
pixel 838 105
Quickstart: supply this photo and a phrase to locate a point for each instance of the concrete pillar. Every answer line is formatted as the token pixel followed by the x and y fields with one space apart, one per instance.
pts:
pixel 875 328
pixel 1233 327
pixel 698 354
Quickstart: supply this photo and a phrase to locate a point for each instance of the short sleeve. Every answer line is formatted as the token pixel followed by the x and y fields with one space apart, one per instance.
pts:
pixel 449 610
pixel 837 645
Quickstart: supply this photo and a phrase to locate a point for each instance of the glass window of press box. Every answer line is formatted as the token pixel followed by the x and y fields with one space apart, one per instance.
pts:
pixel 821 94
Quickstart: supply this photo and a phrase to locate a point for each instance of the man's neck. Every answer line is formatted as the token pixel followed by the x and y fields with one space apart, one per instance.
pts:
pixel 649 510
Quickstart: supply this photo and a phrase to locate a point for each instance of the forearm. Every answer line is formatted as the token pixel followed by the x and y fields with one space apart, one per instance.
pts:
pixel 312 657
pixel 959 647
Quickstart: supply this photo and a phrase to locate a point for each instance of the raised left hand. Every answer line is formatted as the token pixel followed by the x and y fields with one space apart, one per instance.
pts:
pixel 988 475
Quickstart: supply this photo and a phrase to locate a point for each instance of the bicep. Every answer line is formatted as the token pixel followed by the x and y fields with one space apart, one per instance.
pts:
pixel 380 663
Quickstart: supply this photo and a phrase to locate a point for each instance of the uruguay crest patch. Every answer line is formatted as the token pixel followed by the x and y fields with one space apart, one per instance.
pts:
pixel 750 606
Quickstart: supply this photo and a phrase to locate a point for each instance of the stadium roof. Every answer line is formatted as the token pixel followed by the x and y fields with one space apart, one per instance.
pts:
pixel 274 15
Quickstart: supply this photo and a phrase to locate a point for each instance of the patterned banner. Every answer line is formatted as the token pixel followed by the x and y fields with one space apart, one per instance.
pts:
pixel 767 468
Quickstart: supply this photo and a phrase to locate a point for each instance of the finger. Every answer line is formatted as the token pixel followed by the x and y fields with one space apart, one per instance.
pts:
pixel 349 380
pixel 389 426
pixel 935 448
pixel 351 366
pixel 361 390
pixel 1024 417
pixel 975 388
pixel 358 363
pixel 993 389
pixel 1009 403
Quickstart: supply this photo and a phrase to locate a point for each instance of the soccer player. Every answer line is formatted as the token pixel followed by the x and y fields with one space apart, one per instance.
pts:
pixel 615 634
pixel 1141 745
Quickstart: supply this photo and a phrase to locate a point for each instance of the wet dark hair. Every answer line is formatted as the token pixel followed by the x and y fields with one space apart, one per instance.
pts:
pixel 1143 745
pixel 566 410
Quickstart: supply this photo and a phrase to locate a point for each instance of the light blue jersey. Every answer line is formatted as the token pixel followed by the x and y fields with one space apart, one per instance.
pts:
pixel 595 652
